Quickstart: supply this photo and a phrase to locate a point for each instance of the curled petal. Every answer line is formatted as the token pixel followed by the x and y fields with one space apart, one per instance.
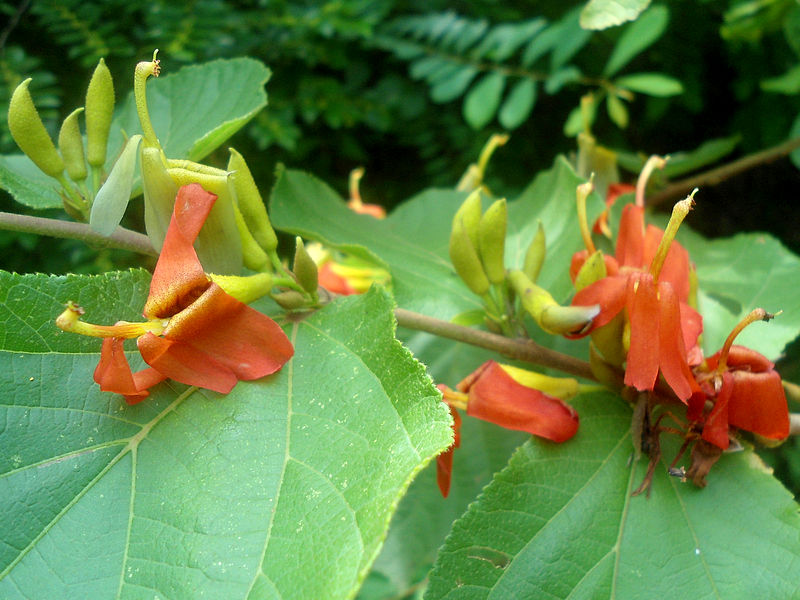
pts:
pixel 758 404
pixel 673 361
pixel 113 373
pixel 609 294
pixel 497 398
pixel 630 240
pixel 645 319
pixel 182 362
pixel 245 341
pixel 178 278
pixel 444 462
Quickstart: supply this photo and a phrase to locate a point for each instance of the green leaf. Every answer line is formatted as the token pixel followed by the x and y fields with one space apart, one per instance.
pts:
pixel 518 105
pixel 193 112
pixel 738 274
pixel 652 84
pixel 481 103
pixel 453 87
pixel 636 37
pixel 560 522
pixel 412 242
pixel 617 111
pixel 602 14
pixel 571 38
pixel 788 83
pixel 282 488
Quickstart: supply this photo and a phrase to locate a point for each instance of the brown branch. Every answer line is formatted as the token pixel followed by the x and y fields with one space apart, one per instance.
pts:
pixel 122 238
pixel 716 176
pixel 519 349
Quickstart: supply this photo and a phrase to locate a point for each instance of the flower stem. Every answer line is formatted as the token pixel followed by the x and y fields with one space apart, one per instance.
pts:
pixel 122 238
pixel 520 349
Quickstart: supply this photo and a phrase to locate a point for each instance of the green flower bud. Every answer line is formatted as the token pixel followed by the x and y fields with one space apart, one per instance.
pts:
pixel 492 241
pixel 304 268
pixel 219 245
pixel 465 259
pixel 250 203
pixel 608 340
pixel 594 269
pixel 99 111
pixel 70 144
pixel 535 255
pixel 469 216
pixel 29 133
pixel 253 255
pixel 159 194
pixel 549 314
pixel 291 300
pixel 245 289
pixel 112 199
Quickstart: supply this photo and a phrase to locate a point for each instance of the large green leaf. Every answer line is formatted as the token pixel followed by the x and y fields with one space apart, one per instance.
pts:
pixel 413 240
pixel 193 111
pixel 637 37
pixel 560 522
pixel 282 488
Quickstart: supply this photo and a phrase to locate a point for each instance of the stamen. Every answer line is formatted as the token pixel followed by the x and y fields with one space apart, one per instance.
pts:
pixel 454 398
pixel 582 193
pixel 141 73
pixel 759 314
pixel 69 320
pixel 679 213
pixel 654 162
pixel 355 193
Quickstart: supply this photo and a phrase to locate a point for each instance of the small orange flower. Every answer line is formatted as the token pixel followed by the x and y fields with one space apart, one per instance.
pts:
pixel 196 333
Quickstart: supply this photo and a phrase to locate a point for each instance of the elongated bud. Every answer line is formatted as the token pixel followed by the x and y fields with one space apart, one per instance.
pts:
pixel 535 255
pixel 245 289
pixel 141 73
pixel 469 216
pixel 563 388
pixel 70 144
pixel 99 111
pixel 250 203
pixel 112 199
pixel 253 255
pixel 29 133
pixel 159 194
pixel 304 268
pixel 218 245
pixel 594 269
pixel 492 241
pixel 549 314
pixel 466 261
pixel 291 300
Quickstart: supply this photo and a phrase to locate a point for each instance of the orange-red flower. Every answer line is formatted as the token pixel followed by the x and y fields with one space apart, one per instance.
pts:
pixel 747 394
pixel 499 394
pixel 196 333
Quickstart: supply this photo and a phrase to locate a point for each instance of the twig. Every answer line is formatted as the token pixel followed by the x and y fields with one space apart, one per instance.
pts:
pixel 122 238
pixel 794 423
pixel 682 187
pixel 525 350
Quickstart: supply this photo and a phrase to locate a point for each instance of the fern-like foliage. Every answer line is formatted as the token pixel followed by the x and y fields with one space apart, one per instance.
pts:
pixel 498 69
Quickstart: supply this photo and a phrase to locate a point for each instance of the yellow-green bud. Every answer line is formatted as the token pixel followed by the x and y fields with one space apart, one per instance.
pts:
pixel 594 269
pixel 291 300
pixel 250 202
pixel 492 241
pixel 245 289
pixel 304 268
pixel 29 133
pixel 469 215
pixel 535 255
pixel 549 314
pixel 465 259
pixel 253 255
pixel 608 340
pixel 70 144
pixel 99 111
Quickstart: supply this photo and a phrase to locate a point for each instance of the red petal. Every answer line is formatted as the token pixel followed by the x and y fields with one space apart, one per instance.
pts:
pixel 185 364
pixel 333 282
pixel 692 327
pixel 674 365
pixel 113 373
pixel 630 240
pixel 644 315
pixel 758 404
pixel 715 429
pixel 444 462
pixel 609 293
pixel 231 333
pixel 178 278
pixel 496 397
